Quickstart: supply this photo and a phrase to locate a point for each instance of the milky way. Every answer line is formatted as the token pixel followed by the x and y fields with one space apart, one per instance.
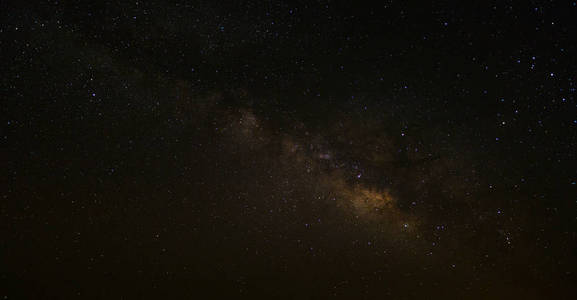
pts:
pixel 232 149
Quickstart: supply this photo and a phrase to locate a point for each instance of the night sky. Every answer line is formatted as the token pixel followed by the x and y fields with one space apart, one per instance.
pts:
pixel 288 150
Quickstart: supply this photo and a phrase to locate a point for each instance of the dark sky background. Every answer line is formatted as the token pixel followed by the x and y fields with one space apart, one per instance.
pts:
pixel 288 150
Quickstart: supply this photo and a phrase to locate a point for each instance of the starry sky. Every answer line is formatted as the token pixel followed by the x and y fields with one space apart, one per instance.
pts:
pixel 288 150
